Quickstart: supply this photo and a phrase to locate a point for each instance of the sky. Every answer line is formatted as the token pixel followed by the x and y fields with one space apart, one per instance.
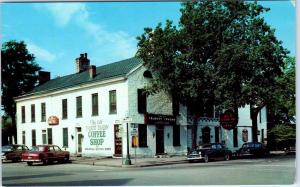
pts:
pixel 56 33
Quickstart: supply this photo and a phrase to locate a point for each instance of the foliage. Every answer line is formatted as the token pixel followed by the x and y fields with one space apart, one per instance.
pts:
pixel 19 74
pixel 221 51
pixel 285 96
pixel 283 135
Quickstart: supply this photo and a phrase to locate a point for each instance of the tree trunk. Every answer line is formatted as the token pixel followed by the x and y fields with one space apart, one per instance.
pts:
pixel 194 132
pixel 254 112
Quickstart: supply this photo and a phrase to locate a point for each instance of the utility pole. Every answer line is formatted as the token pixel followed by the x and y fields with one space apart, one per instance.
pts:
pixel 127 160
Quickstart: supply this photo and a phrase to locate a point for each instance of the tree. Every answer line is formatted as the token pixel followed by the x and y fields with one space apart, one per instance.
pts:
pixel 222 52
pixel 282 136
pixel 19 75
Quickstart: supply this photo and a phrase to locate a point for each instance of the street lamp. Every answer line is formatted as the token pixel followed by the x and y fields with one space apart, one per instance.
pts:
pixel 127 160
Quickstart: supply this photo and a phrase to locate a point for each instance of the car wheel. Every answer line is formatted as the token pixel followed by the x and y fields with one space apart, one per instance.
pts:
pixel 67 158
pixel 29 163
pixel 206 158
pixel 45 161
pixel 227 157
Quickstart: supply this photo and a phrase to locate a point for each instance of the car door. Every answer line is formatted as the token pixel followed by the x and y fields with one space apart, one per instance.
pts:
pixel 214 151
pixel 51 153
pixel 18 152
pixel 220 151
pixel 59 153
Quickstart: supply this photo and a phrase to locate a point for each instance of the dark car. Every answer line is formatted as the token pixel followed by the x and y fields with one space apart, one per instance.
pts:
pixel 252 149
pixel 45 154
pixel 213 151
pixel 13 152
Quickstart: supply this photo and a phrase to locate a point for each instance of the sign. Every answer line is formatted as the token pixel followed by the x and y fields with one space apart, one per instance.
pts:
pixel 134 132
pixel 156 119
pixel 135 141
pixel 53 120
pixel 228 120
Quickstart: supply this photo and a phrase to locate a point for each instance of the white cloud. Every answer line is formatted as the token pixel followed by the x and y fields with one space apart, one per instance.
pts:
pixel 40 53
pixel 119 44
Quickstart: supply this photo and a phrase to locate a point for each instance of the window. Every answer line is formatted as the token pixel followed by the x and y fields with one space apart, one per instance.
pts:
pixel 217 132
pixel 112 102
pixel 142 135
pixel 23 138
pixel 95 104
pixel 23 114
pixel 49 132
pixel 44 136
pixel 56 148
pixel 43 112
pixel 235 137
pixel 32 113
pixel 79 106
pixel 176 135
pixel 259 116
pixel 142 101
pixel 64 109
pixel 65 137
pixel 33 137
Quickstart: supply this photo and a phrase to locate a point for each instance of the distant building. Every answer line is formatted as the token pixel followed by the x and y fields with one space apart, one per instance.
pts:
pixel 87 114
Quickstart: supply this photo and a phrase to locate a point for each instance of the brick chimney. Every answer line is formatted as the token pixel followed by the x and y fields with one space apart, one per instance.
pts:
pixel 82 63
pixel 43 77
pixel 92 71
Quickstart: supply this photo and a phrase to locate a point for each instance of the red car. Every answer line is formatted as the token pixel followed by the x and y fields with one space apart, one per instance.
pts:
pixel 45 154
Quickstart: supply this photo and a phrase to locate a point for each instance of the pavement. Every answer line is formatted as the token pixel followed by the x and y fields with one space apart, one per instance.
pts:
pixel 138 162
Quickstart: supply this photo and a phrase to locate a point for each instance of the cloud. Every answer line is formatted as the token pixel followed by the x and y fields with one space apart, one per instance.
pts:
pixel 40 53
pixel 119 43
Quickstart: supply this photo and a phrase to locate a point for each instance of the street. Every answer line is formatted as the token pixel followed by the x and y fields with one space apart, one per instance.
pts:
pixel 275 170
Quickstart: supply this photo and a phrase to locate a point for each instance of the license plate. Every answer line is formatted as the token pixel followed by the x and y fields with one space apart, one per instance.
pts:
pixel 29 157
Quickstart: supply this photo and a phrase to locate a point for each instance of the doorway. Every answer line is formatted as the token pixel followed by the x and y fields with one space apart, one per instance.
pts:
pixel 79 138
pixel 118 140
pixel 206 135
pixel 160 140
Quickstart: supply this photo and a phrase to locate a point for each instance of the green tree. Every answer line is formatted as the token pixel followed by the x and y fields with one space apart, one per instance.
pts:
pixel 19 75
pixel 222 52
pixel 282 136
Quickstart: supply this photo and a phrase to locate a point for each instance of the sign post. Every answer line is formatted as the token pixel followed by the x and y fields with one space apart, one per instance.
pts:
pixel 127 160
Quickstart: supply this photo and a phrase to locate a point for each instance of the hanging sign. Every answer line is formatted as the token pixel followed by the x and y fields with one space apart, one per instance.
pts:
pixel 156 119
pixel 228 120
pixel 53 120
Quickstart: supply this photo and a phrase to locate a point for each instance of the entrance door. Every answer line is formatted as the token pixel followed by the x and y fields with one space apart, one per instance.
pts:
pixel 79 141
pixel 160 140
pixel 118 140
pixel 206 135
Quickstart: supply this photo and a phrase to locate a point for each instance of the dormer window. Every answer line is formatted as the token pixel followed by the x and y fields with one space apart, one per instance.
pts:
pixel 148 74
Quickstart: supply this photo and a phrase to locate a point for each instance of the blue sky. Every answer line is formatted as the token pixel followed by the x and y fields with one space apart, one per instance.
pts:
pixel 56 33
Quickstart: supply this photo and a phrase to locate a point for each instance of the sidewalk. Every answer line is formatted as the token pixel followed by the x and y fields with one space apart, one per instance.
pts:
pixel 138 162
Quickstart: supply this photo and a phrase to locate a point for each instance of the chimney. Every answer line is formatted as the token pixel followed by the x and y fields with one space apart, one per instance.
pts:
pixel 43 77
pixel 82 63
pixel 92 71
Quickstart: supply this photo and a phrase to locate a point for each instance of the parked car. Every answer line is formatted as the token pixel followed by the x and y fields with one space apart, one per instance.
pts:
pixel 291 150
pixel 213 151
pixel 13 152
pixel 252 149
pixel 45 154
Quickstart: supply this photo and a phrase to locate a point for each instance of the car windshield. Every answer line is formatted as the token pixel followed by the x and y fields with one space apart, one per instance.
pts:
pixel 38 148
pixel 7 148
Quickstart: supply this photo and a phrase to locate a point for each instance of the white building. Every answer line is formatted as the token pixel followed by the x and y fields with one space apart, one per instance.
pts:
pixel 87 112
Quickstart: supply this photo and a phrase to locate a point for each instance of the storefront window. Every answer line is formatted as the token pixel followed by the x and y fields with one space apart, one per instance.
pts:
pixel 33 138
pixel 44 137
pixel 65 137
pixel 142 135
pixel 23 138
pixel 176 135
pixel 49 130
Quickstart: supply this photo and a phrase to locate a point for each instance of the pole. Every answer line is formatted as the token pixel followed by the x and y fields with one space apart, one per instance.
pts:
pixel 127 161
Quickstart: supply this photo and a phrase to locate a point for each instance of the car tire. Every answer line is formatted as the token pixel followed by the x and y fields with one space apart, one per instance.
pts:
pixel 45 161
pixel 29 163
pixel 206 158
pixel 227 157
pixel 66 159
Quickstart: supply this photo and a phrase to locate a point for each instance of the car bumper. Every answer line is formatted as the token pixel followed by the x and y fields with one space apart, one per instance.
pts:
pixel 195 158
pixel 3 158
pixel 31 160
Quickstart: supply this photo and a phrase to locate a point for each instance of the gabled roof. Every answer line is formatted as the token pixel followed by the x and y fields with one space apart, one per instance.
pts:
pixel 105 72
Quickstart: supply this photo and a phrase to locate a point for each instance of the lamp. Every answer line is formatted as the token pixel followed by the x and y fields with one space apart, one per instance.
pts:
pixel 153 134
pixel 72 136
